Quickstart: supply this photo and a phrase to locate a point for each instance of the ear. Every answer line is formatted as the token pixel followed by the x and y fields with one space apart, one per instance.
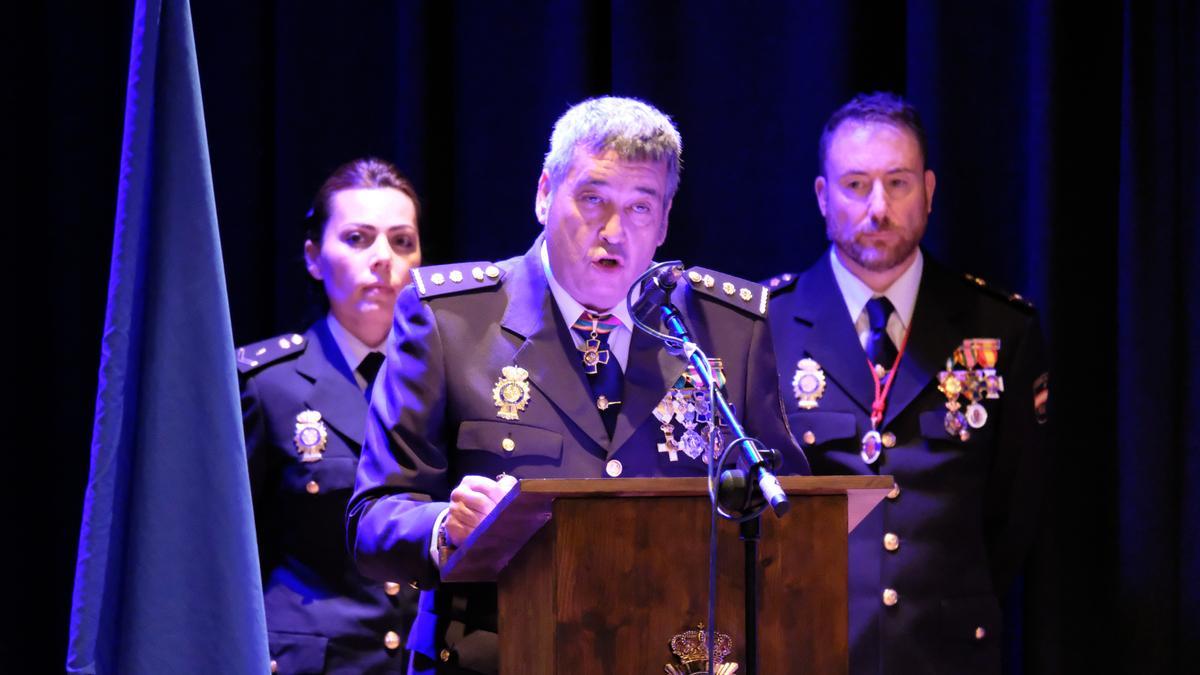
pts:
pixel 930 184
pixel 541 201
pixel 662 233
pixel 312 254
pixel 822 197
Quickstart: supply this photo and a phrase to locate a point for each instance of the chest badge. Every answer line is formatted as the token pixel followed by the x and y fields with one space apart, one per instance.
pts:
pixel 311 436
pixel 808 384
pixel 684 414
pixel 511 393
pixel 971 376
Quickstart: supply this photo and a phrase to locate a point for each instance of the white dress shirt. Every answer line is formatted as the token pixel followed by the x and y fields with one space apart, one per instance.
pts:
pixel 902 294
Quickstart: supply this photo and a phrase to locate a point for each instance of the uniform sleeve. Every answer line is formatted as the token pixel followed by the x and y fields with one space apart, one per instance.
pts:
pixel 1019 480
pixel 258 460
pixel 767 418
pixel 401 485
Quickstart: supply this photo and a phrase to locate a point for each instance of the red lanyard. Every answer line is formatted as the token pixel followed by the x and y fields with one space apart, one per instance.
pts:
pixel 881 392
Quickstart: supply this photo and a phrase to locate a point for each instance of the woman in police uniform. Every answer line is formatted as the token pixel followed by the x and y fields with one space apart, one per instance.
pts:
pixel 304 402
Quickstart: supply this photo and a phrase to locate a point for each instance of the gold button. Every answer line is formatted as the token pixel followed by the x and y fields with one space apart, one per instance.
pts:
pixel 313 487
pixel 980 633
pixel 456 276
pixel 890 541
pixel 709 281
pixel 890 597
pixel 297 339
pixel 391 640
pixel 809 437
pixel 437 278
pixel 894 492
pixel 745 294
pixel 414 585
pixel 444 656
pixel 477 273
pixel 492 271
pixel 613 468
pixel 695 277
pixel 889 439
pixel 284 343
pixel 274 666
pixel 728 288
pixel 391 588
pixel 508 444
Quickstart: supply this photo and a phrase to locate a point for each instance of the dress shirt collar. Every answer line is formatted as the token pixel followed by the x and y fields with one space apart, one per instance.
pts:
pixel 902 293
pixel 351 348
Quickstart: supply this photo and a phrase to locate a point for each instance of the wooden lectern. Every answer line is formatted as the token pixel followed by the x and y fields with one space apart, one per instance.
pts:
pixel 596 576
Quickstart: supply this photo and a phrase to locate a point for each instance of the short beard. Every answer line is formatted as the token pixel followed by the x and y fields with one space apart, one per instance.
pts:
pixel 871 258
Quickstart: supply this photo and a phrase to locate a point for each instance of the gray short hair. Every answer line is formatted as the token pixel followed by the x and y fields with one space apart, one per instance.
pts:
pixel 636 130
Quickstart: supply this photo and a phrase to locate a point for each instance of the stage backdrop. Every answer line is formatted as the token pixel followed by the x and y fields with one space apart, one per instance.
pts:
pixel 1064 141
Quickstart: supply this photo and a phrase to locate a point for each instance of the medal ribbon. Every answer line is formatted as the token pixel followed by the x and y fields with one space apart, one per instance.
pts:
pixel 881 390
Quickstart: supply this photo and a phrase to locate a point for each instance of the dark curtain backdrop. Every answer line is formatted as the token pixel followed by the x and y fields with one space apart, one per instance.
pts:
pixel 1065 144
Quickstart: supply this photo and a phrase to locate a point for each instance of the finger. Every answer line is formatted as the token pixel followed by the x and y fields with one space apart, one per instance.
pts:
pixel 472 500
pixel 505 484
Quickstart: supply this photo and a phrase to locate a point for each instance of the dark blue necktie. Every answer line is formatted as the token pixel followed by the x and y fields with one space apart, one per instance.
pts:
pixel 880 348
pixel 369 368
pixel 603 371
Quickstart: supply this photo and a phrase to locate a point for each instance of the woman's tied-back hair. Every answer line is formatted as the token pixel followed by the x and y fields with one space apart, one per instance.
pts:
pixel 365 172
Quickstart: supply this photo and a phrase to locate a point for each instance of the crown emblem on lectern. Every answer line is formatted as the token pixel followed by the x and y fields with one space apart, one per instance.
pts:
pixel 691 648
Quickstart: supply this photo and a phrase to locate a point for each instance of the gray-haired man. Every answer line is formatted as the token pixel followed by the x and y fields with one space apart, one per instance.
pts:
pixel 530 368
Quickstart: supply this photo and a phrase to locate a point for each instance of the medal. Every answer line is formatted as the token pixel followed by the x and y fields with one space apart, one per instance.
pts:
pixel 511 393
pixel 808 384
pixel 872 443
pixel 976 415
pixel 311 436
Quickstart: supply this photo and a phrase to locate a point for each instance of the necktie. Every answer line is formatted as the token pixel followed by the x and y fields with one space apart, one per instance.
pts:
pixel 880 348
pixel 369 368
pixel 603 370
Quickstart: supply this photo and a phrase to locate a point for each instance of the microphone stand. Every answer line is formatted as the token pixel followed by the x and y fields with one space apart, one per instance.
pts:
pixel 759 471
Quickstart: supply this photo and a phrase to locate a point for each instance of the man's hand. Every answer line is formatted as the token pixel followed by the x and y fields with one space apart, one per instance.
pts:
pixel 470 502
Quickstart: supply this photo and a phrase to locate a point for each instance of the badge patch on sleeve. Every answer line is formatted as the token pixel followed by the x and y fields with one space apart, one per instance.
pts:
pixel 1041 396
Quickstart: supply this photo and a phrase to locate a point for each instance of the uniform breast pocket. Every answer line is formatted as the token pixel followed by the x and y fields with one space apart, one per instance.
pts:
pixel 323 476
pixel 832 430
pixel 489 447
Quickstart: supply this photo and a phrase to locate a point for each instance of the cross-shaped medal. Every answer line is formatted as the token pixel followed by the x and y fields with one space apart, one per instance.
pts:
pixel 669 445
pixel 593 356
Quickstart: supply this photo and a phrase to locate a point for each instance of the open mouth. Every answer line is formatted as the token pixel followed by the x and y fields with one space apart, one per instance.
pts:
pixel 607 262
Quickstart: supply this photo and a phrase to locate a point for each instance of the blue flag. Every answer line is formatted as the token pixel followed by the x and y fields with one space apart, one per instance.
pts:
pixel 167 579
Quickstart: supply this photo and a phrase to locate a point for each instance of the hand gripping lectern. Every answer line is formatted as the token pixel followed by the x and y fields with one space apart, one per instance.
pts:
pixel 603 576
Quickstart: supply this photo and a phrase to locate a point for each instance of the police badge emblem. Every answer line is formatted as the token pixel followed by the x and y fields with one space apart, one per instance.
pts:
pixel 311 436
pixel 808 384
pixel 511 393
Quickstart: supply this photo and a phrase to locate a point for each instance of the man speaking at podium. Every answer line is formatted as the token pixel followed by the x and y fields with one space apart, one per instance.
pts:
pixel 530 368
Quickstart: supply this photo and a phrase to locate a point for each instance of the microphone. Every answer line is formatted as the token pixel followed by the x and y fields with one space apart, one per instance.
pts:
pixel 657 294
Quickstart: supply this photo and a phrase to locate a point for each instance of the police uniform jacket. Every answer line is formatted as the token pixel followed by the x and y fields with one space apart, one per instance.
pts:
pixel 322 615
pixel 434 419
pixel 963 514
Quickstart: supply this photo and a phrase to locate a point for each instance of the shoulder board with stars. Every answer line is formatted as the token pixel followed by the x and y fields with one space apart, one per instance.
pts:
pixel 436 280
pixel 254 356
pixel 1015 299
pixel 781 282
pixel 745 295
